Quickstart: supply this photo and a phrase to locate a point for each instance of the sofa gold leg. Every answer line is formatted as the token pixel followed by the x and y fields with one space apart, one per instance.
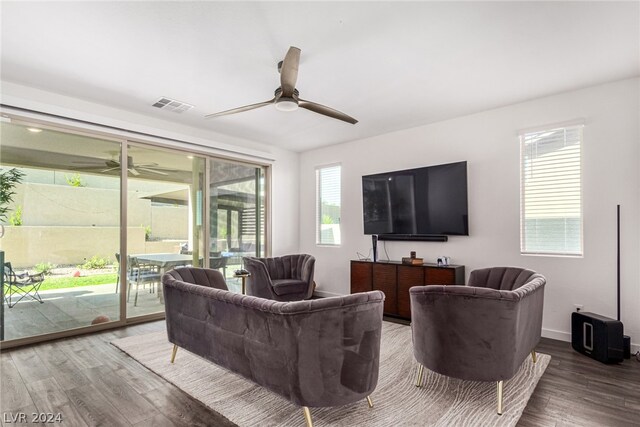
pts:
pixel 369 402
pixel 307 416
pixel 533 356
pixel 500 385
pixel 420 371
pixel 173 353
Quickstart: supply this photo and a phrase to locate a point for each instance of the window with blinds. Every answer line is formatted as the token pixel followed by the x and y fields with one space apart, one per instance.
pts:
pixel 551 192
pixel 328 205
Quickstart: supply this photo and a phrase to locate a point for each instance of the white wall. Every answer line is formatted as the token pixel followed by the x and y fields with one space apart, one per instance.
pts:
pixel 488 142
pixel 285 189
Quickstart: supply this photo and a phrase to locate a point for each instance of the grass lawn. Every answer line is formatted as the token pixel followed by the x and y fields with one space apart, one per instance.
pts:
pixel 73 282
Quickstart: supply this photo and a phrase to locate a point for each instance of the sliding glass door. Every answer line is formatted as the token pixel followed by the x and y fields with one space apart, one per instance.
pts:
pixel 61 230
pixel 164 221
pixel 72 263
pixel 237 215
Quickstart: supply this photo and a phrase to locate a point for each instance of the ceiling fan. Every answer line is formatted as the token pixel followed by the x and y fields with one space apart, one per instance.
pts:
pixel 286 97
pixel 111 165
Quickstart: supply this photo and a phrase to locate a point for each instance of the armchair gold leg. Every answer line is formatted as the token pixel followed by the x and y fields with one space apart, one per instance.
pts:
pixel 173 353
pixel 369 402
pixel 307 416
pixel 500 386
pixel 533 356
pixel 420 371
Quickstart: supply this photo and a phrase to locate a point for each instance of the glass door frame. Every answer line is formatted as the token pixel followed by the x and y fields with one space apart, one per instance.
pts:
pixel 80 127
pixel 266 200
pixel 124 199
pixel 44 124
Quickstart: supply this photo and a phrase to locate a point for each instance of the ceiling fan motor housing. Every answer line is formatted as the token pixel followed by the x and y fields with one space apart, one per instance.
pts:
pixel 278 93
pixel 286 103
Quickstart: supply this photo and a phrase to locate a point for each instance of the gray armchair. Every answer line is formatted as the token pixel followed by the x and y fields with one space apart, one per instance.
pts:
pixel 286 278
pixel 479 332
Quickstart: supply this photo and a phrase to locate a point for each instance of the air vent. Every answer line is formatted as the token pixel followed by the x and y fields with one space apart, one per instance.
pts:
pixel 172 105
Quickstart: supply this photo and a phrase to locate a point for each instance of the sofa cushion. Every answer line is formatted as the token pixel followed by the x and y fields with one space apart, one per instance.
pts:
pixel 289 286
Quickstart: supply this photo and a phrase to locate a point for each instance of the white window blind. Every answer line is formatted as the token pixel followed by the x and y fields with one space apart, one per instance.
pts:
pixel 551 192
pixel 328 205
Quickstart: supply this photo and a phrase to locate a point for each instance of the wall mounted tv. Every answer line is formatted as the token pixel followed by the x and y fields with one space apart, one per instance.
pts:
pixel 417 204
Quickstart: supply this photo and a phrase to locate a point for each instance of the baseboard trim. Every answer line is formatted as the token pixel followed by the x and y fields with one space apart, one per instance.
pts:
pixel 566 336
pixel 556 335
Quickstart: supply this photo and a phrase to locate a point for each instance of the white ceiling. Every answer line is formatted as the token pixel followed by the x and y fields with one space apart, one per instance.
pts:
pixel 390 65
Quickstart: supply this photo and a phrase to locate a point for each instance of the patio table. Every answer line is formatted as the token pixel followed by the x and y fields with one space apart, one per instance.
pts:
pixel 164 262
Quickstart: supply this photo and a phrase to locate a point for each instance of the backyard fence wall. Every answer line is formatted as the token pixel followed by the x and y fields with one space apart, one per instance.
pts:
pixel 26 246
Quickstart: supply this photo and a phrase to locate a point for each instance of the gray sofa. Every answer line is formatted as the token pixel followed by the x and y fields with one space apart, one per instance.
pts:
pixel 482 331
pixel 316 353
pixel 285 278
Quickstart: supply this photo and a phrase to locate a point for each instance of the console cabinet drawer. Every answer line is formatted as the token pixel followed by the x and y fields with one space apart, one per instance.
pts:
pixel 361 277
pixel 395 279
pixel 385 280
pixel 408 276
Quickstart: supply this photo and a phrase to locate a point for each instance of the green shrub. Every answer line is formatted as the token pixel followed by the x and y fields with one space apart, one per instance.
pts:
pixel 326 219
pixel 8 181
pixel 44 267
pixel 75 180
pixel 147 233
pixel 94 263
pixel 15 218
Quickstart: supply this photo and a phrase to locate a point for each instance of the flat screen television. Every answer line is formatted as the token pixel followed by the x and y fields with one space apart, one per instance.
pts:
pixel 417 202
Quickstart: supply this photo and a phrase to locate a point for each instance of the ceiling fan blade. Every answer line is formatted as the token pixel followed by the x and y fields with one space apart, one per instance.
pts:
pixel 240 109
pixel 152 171
pixel 85 163
pixel 86 168
pixel 289 71
pixel 324 110
pixel 109 169
pixel 134 172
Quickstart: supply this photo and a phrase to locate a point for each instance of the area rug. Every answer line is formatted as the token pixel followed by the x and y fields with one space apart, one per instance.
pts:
pixel 442 401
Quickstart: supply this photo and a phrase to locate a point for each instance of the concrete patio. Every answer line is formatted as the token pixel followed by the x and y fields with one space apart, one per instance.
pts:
pixel 64 309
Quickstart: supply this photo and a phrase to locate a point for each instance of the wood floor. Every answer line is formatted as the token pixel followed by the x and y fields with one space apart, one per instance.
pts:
pixel 91 383
pixel 576 390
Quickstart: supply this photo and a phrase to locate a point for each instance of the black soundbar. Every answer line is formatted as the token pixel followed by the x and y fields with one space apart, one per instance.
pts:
pixel 414 237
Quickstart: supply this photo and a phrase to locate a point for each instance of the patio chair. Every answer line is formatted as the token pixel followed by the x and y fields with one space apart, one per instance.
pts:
pixel 219 262
pixel 21 284
pixel 140 274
